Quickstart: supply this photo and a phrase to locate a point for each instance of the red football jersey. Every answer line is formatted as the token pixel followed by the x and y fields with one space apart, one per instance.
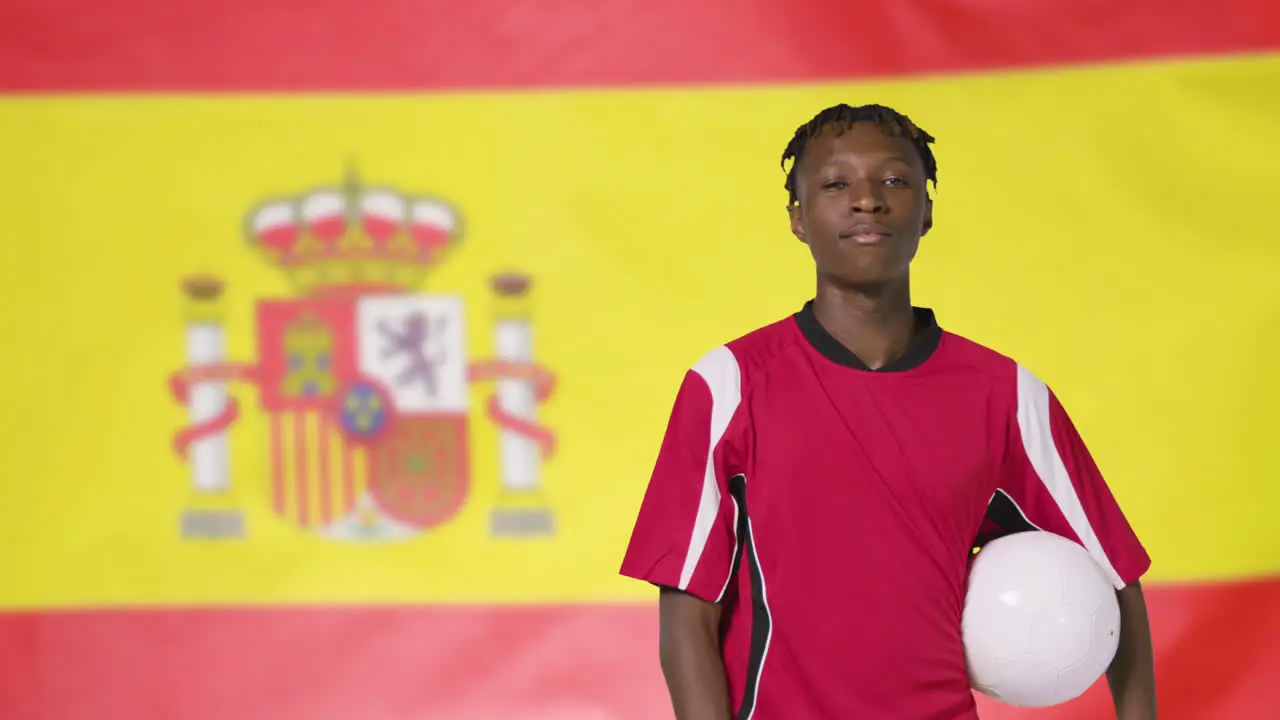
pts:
pixel 833 509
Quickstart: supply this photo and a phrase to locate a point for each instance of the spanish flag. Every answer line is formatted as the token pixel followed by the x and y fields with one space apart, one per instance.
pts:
pixel 338 337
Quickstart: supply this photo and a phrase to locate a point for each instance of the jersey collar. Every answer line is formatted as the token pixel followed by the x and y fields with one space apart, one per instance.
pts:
pixel 921 348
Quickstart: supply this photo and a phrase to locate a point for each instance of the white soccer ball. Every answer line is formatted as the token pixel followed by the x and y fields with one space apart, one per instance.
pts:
pixel 1041 621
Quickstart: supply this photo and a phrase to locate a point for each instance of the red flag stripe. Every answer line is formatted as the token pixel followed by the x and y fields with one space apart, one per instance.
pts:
pixel 284 45
pixel 1215 659
pixel 302 470
pixel 348 477
pixel 324 453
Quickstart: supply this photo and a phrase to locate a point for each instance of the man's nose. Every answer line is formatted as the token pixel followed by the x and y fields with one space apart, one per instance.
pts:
pixel 866 198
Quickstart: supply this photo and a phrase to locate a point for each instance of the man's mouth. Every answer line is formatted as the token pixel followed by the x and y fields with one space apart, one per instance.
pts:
pixel 866 234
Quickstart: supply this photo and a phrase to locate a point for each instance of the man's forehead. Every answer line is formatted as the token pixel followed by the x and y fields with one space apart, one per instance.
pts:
pixel 863 141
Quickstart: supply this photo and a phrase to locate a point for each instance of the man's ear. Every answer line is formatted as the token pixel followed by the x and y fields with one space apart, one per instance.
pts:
pixel 928 216
pixel 797 224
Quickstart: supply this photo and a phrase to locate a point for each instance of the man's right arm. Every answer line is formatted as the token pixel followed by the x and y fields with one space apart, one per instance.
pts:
pixel 685 536
pixel 689 649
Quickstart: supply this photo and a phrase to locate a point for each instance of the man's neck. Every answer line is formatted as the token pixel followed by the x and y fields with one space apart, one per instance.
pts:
pixel 875 323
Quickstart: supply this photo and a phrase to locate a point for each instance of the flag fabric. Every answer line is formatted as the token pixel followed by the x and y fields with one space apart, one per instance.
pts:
pixel 340 337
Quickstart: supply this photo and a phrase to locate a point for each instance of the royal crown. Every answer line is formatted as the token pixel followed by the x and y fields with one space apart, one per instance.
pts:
pixel 353 238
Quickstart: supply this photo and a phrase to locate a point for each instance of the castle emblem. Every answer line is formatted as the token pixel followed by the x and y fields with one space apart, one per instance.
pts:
pixel 365 380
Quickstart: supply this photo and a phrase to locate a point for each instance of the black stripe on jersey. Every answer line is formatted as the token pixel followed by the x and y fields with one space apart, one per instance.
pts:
pixel 761 621
pixel 1003 517
pixel 740 533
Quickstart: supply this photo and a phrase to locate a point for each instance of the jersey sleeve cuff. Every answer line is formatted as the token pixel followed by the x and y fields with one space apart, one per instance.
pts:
pixel 1134 571
pixel 664 580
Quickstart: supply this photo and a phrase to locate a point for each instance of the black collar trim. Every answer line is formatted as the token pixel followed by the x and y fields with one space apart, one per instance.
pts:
pixel 921 348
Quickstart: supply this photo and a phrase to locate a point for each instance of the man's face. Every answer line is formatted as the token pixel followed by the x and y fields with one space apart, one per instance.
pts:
pixel 863 204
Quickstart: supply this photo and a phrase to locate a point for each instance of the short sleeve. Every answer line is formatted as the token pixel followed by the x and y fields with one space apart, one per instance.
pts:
pixel 1050 476
pixel 685 535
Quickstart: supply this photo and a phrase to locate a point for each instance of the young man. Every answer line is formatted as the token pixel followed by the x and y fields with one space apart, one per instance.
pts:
pixel 822 480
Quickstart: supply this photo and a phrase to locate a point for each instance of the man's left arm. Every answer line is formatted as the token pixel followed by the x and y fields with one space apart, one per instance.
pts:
pixel 1050 474
pixel 1131 676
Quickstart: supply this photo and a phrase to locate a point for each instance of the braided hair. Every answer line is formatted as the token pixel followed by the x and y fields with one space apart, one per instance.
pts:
pixel 843 117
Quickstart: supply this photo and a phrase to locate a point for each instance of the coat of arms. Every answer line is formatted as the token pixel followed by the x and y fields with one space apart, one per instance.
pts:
pixel 365 380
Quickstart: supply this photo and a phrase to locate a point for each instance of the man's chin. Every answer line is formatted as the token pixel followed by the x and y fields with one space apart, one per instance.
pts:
pixel 865 278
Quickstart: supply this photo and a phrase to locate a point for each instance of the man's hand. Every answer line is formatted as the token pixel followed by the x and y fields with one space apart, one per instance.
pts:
pixel 1132 672
pixel 689 648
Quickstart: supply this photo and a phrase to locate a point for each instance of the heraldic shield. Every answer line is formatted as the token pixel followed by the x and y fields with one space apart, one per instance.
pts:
pixel 367 398
pixel 363 379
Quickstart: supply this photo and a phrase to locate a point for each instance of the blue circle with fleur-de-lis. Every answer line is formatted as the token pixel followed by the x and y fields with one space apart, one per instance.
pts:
pixel 364 410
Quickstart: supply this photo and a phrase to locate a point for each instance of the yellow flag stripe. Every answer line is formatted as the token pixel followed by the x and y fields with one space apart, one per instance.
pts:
pixel 1141 180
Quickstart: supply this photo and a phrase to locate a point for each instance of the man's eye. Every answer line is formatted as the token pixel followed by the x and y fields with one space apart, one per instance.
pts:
pixel 836 185
pixel 896 181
